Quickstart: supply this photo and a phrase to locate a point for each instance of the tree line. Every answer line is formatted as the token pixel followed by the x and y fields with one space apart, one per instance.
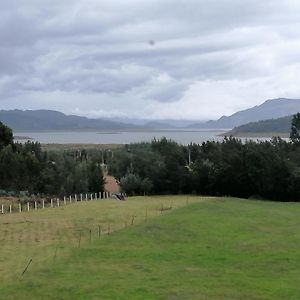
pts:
pixel 265 169
pixel 262 169
pixel 25 167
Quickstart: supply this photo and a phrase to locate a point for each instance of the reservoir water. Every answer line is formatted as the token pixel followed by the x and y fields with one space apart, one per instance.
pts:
pixel 117 137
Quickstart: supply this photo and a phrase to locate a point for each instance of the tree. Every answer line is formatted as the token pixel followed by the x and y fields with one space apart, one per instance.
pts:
pixel 131 184
pixel 295 129
pixel 6 136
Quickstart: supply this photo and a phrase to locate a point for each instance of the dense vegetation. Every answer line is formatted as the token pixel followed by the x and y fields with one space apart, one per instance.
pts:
pixel 25 167
pixel 267 170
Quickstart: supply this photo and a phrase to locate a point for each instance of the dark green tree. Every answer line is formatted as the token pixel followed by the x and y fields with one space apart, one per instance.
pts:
pixel 6 136
pixel 295 128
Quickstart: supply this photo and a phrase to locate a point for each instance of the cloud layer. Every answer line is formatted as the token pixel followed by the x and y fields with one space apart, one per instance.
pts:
pixel 191 59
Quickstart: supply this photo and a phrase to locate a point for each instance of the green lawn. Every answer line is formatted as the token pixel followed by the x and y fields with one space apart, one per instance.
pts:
pixel 212 248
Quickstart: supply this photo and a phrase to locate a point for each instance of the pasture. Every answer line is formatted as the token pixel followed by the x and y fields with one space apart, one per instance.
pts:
pixel 153 248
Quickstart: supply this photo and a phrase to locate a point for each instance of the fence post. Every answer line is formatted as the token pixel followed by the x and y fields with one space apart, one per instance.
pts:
pixel 81 197
pixel 28 206
pixel 65 200
pixel 43 203
pixel 51 202
pixel 86 197
pixel 35 205
pixel 20 207
pixel 75 197
pixel 2 209
pixel 70 199
pixel 95 196
pixel 10 208
pixel 57 202
pixel 91 196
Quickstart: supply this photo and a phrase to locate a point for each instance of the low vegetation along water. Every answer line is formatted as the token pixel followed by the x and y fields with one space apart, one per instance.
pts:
pixel 193 248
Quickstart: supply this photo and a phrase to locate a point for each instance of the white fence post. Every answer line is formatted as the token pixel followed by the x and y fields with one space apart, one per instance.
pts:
pixel 28 206
pixel 95 196
pixel 65 200
pixel 91 196
pixel 75 197
pixel 43 203
pixel 81 197
pixel 51 202
pixel 57 202
pixel 20 207
pixel 10 208
pixel 2 209
pixel 86 197
pixel 70 199
pixel 35 205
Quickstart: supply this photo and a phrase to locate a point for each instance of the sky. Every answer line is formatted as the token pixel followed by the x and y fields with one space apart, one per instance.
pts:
pixel 148 59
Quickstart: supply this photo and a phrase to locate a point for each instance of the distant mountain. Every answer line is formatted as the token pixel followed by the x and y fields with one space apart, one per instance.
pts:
pixel 54 120
pixel 280 126
pixel 270 109
pixel 158 125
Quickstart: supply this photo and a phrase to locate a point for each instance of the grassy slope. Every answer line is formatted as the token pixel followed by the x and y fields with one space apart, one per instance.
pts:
pixel 215 249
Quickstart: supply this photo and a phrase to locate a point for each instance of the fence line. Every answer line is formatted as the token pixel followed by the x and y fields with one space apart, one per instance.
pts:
pixel 54 202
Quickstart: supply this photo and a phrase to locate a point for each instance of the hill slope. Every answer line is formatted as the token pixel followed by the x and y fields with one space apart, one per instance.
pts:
pixel 215 249
pixel 54 120
pixel 280 126
pixel 270 109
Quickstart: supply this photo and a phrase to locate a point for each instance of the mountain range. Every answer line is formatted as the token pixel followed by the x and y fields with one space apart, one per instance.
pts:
pixel 53 120
pixel 270 109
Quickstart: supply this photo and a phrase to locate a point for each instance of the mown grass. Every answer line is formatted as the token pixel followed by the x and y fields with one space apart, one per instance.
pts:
pixel 212 249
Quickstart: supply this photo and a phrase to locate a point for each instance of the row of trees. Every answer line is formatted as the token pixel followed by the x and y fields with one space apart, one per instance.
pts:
pixel 269 169
pixel 25 167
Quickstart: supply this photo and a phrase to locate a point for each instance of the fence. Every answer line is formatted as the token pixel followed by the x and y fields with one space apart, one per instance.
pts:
pixel 53 202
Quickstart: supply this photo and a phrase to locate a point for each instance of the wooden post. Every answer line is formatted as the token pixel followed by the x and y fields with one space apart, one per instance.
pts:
pixel 99 231
pixel 35 205
pixel 10 209
pixel 43 203
pixel 95 196
pixel 70 199
pixel 91 196
pixel 81 197
pixel 65 200
pixel 20 207
pixel 75 197
pixel 57 200
pixel 2 209
pixel 106 194
pixel 28 206
pixel 86 197
pixel 51 202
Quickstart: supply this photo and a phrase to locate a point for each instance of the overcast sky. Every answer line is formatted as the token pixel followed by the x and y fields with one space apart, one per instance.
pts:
pixel 189 59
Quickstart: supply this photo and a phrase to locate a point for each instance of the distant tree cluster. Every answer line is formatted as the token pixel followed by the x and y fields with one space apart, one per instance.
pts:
pixel 266 170
pixel 25 167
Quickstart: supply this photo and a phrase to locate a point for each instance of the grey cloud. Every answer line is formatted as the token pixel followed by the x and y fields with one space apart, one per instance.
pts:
pixel 101 48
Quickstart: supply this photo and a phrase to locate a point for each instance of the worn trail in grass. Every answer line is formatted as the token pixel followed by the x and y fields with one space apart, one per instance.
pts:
pixel 213 249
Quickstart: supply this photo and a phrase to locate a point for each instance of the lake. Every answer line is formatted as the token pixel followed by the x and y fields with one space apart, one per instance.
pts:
pixel 117 137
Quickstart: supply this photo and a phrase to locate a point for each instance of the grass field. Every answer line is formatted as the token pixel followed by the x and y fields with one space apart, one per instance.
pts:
pixel 212 248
